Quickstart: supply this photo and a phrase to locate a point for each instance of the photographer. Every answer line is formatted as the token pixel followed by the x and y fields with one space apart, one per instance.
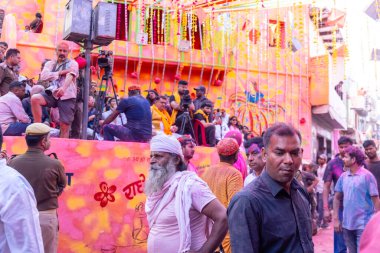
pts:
pixel 62 92
pixel 203 115
pixel 139 119
pixel 181 102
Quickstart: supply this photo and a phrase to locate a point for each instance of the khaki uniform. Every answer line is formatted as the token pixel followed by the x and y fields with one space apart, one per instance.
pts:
pixel 6 77
pixel 48 179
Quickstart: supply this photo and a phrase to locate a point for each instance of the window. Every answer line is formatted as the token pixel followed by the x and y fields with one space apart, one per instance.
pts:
pixel 196 30
pixel 121 18
pixel 276 30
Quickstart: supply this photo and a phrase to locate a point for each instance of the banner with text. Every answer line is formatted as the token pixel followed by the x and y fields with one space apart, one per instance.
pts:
pixel 102 207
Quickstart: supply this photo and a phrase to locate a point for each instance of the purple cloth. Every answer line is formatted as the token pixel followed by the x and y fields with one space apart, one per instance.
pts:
pixel 333 170
pixel 235 135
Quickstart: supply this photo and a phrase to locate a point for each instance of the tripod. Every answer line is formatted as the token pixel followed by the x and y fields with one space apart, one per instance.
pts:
pixel 186 120
pixel 100 99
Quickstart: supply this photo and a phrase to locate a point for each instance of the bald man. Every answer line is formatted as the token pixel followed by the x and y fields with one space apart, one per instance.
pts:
pixel 62 92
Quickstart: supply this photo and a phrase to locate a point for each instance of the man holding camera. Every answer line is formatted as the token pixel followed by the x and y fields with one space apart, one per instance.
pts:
pixel 62 92
pixel 180 103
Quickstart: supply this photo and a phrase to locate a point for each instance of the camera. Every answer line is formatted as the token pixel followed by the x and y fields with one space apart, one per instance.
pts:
pixel 105 60
pixel 186 99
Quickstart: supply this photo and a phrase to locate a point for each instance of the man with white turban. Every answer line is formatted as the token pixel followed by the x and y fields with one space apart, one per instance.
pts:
pixel 180 204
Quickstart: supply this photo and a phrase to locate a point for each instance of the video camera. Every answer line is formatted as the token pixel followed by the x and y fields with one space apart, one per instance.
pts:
pixel 186 99
pixel 105 60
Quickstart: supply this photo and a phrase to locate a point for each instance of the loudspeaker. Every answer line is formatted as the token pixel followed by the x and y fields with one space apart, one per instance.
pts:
pixel 296 45
pixel 77 20
pixel 104 30
pixel 371 11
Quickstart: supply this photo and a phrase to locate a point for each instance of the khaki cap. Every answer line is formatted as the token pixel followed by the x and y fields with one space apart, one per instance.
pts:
pixel 37 129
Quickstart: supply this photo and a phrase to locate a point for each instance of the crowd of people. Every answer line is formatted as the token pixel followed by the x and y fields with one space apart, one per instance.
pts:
pixel 269 207
pixel 274 208
pixel 260 197
pixel 56 99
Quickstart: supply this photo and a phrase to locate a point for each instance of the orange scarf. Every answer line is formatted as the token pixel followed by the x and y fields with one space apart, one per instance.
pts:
pixel 203 114
pixel 165 119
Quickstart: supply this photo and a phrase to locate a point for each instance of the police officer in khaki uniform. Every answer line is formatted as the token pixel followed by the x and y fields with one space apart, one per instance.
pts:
pixel 47 177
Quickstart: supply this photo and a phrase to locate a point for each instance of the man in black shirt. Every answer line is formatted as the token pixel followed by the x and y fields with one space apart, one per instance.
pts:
pixel 374 161
pixel 203 116
pixel 201 98
pixel 177 104
pixel 272 214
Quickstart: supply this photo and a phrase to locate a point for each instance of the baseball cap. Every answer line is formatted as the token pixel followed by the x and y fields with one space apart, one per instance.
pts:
pixel 200 87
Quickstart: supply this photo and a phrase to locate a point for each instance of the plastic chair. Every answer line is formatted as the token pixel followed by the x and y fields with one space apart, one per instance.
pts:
pixel 200 131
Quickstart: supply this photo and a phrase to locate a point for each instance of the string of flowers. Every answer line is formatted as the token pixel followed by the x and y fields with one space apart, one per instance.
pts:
pixel 155 26
pixel 143 10
pixel 278 38
pixel 301 26
pixel 184 26
pixel 166 28
pixel 150 24
pixel 194 29
pixel 206 34
pixel 118 21
pixel 159 30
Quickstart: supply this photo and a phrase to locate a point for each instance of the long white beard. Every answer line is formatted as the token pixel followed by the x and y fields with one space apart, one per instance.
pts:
pixel 158 175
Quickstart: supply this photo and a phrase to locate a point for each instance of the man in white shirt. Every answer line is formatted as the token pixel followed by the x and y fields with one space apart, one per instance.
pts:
pixel 322 159
pixel 62 92
pixel 19 224
pixel 221 124
pixel 13 118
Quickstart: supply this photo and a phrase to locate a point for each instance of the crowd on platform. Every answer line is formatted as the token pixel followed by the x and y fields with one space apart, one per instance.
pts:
pixel 56 99
pixel 260 197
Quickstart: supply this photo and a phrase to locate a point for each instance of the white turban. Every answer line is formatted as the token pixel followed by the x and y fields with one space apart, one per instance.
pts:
pixel 165 143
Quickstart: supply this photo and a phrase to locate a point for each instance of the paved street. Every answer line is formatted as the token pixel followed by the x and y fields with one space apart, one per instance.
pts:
pixel 324 240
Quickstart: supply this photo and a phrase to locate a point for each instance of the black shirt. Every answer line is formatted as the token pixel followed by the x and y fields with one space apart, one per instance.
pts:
pixel 199 101
pixel 263 217
pixel 374 167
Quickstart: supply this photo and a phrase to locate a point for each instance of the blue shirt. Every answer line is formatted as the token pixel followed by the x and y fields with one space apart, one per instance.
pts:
pixel 138 114
pixel 357 190
pixel 263 217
